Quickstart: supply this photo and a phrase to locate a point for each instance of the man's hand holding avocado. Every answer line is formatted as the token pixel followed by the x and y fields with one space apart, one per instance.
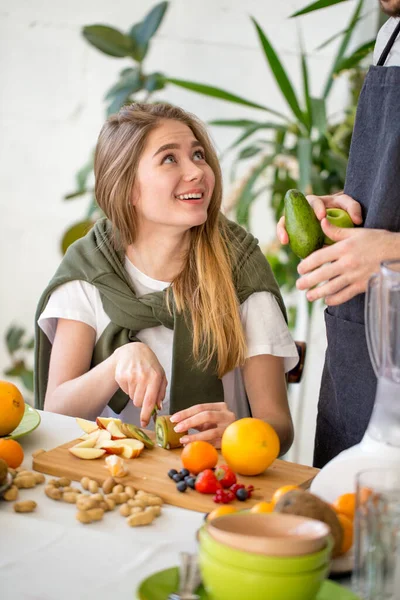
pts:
pixel 341 270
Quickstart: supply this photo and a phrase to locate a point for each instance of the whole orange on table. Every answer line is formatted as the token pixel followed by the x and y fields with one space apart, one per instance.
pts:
pixel 12 407
pixel 12 453
pixel 249 446
pixel 198 456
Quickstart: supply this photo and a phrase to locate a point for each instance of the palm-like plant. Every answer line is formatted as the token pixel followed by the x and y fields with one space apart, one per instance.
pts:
pixel 304 151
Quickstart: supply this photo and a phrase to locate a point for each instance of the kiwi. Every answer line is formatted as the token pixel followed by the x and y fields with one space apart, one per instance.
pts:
pixel 136 433
pixel 305 504
pixel 166 437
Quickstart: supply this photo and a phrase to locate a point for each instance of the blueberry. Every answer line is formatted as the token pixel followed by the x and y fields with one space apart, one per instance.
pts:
pixel 185 472
pixel 172 472
pixel 181 486
pixel 190 481
pixel 242 494
pixel 177 477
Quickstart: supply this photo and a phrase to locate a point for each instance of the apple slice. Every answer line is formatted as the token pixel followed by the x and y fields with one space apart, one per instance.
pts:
pixel 116 433
pixel 103 437
pixel 132 448
pixel 88 443
pixel 85 425
pixel 87 453
pixel 111 448
pixel 102 422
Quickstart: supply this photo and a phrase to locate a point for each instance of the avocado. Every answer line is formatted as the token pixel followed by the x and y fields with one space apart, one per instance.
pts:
pixel 303 228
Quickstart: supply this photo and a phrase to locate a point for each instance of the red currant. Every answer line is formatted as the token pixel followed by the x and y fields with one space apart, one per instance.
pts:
pixel 236 486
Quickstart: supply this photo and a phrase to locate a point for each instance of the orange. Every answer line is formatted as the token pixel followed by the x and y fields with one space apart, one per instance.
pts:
pixel 220 511
pixel 249 446
pixel 348 534
pixel 197 456
pixel 12 453
pixel 284 489
pixel 346 505
pixel 12 407
pixel 262 507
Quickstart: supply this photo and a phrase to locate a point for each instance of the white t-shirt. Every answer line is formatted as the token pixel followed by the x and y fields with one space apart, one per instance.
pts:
pixel 265 329
pixel 393 59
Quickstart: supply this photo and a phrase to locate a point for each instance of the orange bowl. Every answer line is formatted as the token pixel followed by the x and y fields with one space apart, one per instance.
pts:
pixel 271 534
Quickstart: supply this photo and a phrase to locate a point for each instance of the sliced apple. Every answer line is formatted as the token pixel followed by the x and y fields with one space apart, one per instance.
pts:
pixel 103 437
pixel 116 433
pixel 111 448
pixel 87 453
pixel 102 422
pixel 132 448
pixel 85 425
pixel 88 443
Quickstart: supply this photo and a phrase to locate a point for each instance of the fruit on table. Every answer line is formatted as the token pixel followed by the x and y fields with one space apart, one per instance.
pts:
pixel 131 431
pixel 346 505
pixel 284 489
pixel 115 464
pixel 11 452
pixel 12 407
pixel 302 225
pixel 198 456
pixel 262 507
pixel 305 504
pixel 87 453
pixel 225 476
pixel 85 425
pixel 166 437
pixel 249 446
pixel 338 217
pixel 220 512
pixel 348 533
pixel 207 483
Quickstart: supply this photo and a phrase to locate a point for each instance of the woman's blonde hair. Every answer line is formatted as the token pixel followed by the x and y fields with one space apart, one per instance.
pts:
pixel 204 289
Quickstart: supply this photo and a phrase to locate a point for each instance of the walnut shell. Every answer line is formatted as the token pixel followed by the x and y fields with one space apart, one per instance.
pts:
pixel 305 504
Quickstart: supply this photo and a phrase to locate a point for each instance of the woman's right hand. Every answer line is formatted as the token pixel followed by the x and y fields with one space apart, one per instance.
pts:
pixel 140 375
pixel 320 204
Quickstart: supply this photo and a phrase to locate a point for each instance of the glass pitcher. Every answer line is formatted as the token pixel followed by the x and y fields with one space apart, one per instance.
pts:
pixel 382 325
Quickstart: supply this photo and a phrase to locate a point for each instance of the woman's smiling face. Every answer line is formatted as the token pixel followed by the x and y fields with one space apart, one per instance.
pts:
pixel 174 183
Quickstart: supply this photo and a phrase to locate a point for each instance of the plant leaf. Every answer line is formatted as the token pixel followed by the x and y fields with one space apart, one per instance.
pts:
pixel 117 102
pixel 145 30
pixel 140 49
pixel 248 152
pixel 318 110
pixel 304 157
pixel 338 35
pixel 316 6
pixel 76 194
pixel 234 123
pixel 14 337
pixel 280 74
pixel 75 232
pixel 343 47
pixel 83 174
pixel 354 59
pixel 252 129
pixel 154 82
pixel 214 92
pixel 306 86
pixel 129 83
pixel 109 40
pixel 246 196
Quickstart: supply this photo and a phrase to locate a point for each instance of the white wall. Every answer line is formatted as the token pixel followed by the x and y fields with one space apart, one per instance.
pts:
pixel 51 111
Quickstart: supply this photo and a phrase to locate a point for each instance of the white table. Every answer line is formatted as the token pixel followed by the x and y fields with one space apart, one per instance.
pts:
pixel 48 555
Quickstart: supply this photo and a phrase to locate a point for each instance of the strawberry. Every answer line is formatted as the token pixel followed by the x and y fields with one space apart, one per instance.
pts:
pixel 207 483
pixel 225 476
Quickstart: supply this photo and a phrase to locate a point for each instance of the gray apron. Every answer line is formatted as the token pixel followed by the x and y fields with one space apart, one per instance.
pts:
pixel 373 179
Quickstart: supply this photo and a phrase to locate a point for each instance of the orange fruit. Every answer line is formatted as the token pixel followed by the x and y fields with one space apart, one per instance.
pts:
pixel 348 533
pixel 198 456
pixel 284 489
pixel 262 507
pixel 12 453
pixel 220 511
pixel 346 505
pixel 12 407
pixel 249 446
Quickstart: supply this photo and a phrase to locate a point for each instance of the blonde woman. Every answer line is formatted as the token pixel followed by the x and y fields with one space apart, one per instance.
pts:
pixel 164 303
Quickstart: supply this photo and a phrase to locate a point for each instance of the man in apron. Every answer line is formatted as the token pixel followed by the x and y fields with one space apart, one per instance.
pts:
pixel 372 197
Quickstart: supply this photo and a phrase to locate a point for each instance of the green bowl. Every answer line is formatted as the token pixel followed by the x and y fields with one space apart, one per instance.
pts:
pixel 225 582
pixel 285 565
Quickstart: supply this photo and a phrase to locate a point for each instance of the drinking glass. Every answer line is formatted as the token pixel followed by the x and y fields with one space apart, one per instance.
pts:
pixel 376 574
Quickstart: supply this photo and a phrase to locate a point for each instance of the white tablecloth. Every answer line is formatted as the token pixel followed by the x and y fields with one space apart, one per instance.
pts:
pixel 48 555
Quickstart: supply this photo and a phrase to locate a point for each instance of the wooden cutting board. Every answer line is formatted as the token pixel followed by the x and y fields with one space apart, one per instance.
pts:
pixel 149 471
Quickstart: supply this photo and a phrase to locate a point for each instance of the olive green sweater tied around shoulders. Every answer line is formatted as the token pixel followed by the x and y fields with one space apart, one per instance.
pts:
pixel 95 260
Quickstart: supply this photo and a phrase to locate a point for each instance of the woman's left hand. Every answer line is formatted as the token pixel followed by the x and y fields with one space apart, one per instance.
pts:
pixel 210 420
